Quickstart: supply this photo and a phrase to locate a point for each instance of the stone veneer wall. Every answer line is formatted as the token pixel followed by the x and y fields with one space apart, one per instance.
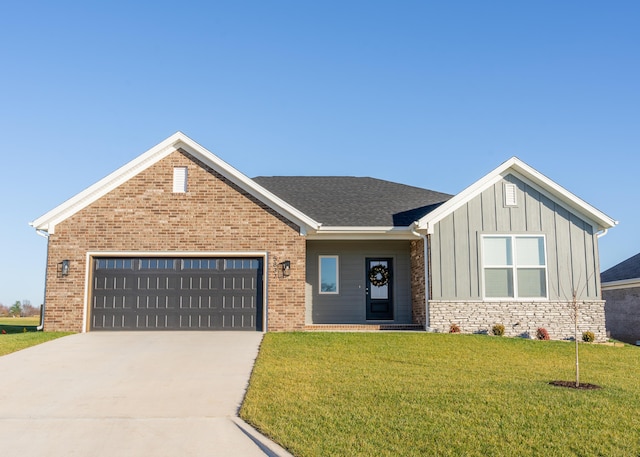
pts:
pixel 418 297
pixel 143 214
pixel 519 318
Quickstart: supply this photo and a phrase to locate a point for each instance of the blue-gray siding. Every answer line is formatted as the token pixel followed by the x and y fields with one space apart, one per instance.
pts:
pixel 349 306
pixel 571 244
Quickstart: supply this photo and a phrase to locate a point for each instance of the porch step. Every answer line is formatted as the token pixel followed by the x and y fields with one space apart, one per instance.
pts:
pixel 362 327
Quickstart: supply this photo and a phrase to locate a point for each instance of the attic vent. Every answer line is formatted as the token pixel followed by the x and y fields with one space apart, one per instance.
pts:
pixel 510 195
pixel 179 180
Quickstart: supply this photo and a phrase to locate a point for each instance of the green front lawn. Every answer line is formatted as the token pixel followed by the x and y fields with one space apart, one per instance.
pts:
pixel 14 342
pixel 414 394
pixel 26 321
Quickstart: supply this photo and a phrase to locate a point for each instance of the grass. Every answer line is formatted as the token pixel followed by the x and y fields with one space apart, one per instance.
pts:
pixel 15 342
pixel 26 321
pixel 410 394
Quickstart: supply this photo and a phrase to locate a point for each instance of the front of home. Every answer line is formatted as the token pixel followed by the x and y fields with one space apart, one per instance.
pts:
pixel 178 239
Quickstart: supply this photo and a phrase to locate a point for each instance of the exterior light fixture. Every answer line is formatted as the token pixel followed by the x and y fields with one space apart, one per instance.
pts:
pixel 286 268
pixel 63 268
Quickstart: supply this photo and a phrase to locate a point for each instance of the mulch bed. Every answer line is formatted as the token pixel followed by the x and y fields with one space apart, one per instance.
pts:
pixel 572 385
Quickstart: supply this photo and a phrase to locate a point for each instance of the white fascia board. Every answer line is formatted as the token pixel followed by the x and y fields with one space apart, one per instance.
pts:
pixel 621 284
pixel 179 140
pixel 363 233
pixel 427 222
pixel 524 172
pixel 602 221
pixel 48 221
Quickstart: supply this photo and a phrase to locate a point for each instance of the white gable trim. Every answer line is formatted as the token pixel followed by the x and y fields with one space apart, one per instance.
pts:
pixel 541 183
pixel 621 284
pixel 363 233
pixel 179 140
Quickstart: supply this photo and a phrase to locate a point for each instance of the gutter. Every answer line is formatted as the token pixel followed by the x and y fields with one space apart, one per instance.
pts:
pixel 44 234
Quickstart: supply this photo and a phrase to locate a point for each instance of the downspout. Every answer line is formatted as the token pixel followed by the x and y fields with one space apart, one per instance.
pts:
pixel 44 234
pixel 426 276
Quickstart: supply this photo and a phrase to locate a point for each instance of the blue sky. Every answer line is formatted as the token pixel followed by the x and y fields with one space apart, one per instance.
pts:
pixel 431 94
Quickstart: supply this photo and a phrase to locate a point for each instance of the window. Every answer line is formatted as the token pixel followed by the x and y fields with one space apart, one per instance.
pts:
pixel 514 266
pixel 200 264
pixel 113 264
pixel 179 180
pixel 329 274
pixel 241 264
pixel 157 264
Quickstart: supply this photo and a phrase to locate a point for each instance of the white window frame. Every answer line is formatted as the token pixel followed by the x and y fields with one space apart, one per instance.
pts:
pixel 514 268
pixel 337 259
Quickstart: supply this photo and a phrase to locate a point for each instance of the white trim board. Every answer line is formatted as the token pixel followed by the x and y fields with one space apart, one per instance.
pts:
pixel 177 141
pixel 621 284
pixel 524 172
pixel 195 254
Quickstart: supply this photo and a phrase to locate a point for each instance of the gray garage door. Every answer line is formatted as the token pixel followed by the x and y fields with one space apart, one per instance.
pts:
pixel 177 294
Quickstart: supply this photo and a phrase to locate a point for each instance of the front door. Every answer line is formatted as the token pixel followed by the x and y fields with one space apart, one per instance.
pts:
pixel 379 274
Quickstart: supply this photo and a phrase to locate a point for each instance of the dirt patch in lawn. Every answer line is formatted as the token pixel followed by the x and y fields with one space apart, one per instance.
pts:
pixel 572 385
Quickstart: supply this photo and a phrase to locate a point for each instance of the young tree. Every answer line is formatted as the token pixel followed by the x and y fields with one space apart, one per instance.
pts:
pixel 16 309
pixel 575 314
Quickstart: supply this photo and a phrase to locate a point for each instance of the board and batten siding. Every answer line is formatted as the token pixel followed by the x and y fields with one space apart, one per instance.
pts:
pixel 349 305
pixel 455 245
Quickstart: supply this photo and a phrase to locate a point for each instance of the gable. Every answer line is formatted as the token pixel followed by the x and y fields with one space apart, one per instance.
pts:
pixel 529 182
pixel 145 212
pixel 176 142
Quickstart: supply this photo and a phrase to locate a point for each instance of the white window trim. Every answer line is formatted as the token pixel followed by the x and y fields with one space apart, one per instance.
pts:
pixel 337 291
pixel 514 267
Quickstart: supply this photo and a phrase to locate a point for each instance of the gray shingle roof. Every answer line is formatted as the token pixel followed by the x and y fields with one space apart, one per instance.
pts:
pixel 354 202
pixel 628 269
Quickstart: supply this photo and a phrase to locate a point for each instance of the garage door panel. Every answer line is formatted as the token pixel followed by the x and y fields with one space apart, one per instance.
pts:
pixel 172 293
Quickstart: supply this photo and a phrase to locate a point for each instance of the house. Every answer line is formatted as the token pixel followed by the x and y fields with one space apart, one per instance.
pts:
pixel 179 239
pixel 621 289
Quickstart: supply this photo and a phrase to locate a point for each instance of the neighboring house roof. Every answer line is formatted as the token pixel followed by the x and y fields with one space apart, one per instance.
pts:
pixel 537 180
pixel 177 141
pixel 628 269
pixel 346 201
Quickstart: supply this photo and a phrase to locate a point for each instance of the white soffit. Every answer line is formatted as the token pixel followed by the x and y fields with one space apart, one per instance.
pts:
pixel 530 176
pixel 621 284
pixel 363 233
pixel 179 140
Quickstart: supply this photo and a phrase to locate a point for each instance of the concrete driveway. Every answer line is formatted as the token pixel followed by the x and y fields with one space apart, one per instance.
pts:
pixel 130 394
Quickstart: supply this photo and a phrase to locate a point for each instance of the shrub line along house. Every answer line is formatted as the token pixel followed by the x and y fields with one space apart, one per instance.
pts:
pixel 179 239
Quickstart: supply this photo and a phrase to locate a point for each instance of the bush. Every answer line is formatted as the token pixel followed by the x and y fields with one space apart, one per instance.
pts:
pixel 542 334
pixel 588 337
pixel 498 330
pixel 454 328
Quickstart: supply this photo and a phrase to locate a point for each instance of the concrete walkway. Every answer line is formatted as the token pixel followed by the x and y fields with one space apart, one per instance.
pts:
pixel 130 394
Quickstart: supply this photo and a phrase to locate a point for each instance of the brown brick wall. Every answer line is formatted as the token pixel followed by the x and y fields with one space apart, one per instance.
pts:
pixel 143 214
pixel 418 297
